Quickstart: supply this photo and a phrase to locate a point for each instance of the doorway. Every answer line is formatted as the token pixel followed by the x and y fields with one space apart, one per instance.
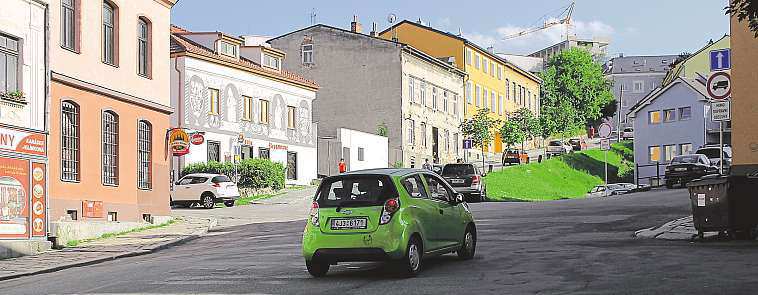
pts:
pixel 292 165
pixel 435 145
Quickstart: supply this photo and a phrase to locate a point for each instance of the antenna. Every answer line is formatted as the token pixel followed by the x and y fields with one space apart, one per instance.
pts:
pixel 391 18
pixel 313 16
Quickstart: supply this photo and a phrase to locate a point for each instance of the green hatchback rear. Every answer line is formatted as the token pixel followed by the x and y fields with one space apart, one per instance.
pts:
pixel 397 215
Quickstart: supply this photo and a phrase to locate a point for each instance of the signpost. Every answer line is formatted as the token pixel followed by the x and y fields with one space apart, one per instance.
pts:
pixel 467 145
pixel 719 88
pixel 604 131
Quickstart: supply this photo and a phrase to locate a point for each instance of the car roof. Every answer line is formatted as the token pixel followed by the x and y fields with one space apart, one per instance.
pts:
pixel 386 171
pixel 203 175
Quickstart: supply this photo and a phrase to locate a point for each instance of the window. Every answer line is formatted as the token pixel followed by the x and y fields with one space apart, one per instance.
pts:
pixel 271 61
pixel 455 104
pixel 423 93
pixel 455 143
pixel 10 79
pixel 669 115
pixel 685 113
pixel 500 105
pixel 507 89
pixel 654 117
pixel 669 152
pixel 412 89
pixel 447 141
pixel 145 154
pixel 69 25
pixel 444 101
pixel 639 86
pixel 492 69
pixel 411 131
pixel 423 134
pixel 500 72
pixel 70 141
pixel 414 187
pixel 291 165
pixel 110 32
pixel 307 54
pixel 264 153
pixel 437 189
pixel 143 47
pixel 214 151
pixel 290 117
pixel 654 154
pixel 213 100
pixel 468 56
pixel 247 108
pixel 529 98
pixel 477 93
pixel 485 65
pixel 263 115
pixel 484 97
pixel 492 101
pixel 110 148
pixel 476 61
pixel 361 155
pixel 686 148
pixel 434 98
pixel 469 96
pixel 228 49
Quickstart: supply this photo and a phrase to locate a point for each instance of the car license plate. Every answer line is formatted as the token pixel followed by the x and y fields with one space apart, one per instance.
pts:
pixel 456 180
pixel 349 223
pixel 680 169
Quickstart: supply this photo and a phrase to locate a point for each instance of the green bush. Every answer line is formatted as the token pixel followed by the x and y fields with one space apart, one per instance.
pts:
pixel 253 173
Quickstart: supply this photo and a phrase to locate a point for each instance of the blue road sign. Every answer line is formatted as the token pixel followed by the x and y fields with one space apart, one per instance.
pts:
pixel 721 60
pixel 468 144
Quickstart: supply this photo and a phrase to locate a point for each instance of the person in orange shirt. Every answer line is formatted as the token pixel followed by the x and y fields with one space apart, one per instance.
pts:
pixel 342 166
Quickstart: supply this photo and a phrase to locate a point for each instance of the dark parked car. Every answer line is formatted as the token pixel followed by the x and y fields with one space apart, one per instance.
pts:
pixel 684 169
pixel 466 179
pixel 515 156
pixel 576 144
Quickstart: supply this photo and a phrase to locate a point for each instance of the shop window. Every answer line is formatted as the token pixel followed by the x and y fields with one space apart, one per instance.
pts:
pixel 214 151
pixel 264 153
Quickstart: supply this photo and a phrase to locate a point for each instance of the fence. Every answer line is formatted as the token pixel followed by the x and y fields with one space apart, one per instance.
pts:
pixel 644 174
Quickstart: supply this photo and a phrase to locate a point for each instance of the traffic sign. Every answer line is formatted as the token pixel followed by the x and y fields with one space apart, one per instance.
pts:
pixel 720 111
pixel 719 85
pixel 468 144
pixel 604 130
pixel 605 144
pixel 721 59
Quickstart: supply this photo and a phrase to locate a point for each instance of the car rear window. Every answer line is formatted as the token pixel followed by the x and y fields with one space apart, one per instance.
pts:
pixel 355 191
pixel 221 178
pixel 458 170
pixel 555 143
pixel 713 153
pixel 685 159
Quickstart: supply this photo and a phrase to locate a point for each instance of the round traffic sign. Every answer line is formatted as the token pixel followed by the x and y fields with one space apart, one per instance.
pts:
pixel 604 130
pixel 719 85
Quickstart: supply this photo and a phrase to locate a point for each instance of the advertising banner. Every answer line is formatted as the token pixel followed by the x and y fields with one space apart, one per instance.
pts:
pixel 23 142
pixel 14 198
pixel 39 200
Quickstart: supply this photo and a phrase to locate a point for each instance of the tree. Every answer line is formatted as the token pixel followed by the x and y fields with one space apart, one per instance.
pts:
pixel 520 127
pixel 480 129
pixel 574 92
pixel 511 133
pixel 382 129
pixel 745 10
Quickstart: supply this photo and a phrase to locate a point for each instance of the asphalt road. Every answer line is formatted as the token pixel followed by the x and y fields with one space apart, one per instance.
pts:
pixel 569 246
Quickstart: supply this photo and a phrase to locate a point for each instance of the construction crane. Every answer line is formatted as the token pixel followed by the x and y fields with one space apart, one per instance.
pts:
pixel 563 19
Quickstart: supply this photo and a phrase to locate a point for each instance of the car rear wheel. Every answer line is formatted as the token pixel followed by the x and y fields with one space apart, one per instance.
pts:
pixel 207 201
pixel 229 203
pixel 468 248
pixel 411 263
pixel 317 269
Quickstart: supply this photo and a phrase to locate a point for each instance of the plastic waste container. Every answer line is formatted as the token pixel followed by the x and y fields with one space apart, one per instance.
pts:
pixel 724 204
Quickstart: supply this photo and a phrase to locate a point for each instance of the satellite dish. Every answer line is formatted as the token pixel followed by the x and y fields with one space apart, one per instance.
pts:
pixel 391 18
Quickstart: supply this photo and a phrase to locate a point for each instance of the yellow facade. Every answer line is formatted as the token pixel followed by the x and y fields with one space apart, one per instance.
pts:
pixel 507 87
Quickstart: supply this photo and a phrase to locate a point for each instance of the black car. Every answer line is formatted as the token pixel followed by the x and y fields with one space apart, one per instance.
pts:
pixel 684 169
pixel 466 179
pixel 576 144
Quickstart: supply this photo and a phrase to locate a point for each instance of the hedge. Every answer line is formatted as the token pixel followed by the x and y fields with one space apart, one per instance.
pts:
pixel 253 173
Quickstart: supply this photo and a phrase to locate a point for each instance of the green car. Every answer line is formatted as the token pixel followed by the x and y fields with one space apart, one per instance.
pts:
pixel 397 215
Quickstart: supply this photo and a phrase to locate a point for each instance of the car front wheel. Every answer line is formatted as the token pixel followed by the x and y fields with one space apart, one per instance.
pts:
pixel 468 248
pixel 317 269
pixel 207 201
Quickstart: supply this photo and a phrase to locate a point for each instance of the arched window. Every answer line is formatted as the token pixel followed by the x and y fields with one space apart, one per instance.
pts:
pixel 144 47
pixel 70 168
pixel 145 155
pixel 110 148
pixel 110 33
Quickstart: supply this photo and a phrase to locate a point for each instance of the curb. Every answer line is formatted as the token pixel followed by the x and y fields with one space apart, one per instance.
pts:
pixel 212 222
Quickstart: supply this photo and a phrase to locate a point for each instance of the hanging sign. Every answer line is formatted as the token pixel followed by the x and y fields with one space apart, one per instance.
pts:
pixel 178 141
pixel 197 138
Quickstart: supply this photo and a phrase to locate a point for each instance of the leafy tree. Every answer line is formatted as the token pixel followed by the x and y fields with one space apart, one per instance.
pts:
pixel 520 127
pixel 382 129
pixel 511 133
pixel 745 10
pixel 574 92
pixel 480 129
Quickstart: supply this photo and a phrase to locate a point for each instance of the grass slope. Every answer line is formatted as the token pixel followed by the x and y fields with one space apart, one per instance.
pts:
pixel 568 176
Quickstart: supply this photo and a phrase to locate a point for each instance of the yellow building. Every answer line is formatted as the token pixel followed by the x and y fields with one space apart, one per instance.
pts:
pixel 493 82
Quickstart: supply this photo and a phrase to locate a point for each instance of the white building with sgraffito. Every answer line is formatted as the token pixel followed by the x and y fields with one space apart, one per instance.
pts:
pixel 243 101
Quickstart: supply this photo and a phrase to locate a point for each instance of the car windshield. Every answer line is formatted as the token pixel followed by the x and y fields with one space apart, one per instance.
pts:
pixel 556 143
pixel 713 153
pixel 355 191
pixel 685 159
pixel 458 170
pixel 220 178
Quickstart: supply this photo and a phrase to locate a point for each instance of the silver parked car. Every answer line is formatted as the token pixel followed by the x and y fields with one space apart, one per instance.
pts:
pixel 613 189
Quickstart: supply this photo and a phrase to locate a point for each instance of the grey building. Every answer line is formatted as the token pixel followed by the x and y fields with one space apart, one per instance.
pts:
pixel 597 47
pixel 368 83
pixel 634 77
pixel 674 120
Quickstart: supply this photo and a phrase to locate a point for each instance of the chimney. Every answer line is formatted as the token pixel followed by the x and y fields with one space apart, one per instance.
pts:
pixel 373 30
pixel 491 49
pixel 355 26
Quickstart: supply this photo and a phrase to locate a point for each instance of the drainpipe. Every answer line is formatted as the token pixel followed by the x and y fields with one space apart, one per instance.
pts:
pixel 179 110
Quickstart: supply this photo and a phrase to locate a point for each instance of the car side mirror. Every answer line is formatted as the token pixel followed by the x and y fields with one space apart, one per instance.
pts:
pixel 459 198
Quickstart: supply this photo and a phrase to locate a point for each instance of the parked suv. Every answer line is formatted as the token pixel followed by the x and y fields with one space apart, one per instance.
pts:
pixel 712 152
pixel 558 147
pixel 204 189
pixel 467 180
pixel 398 215
pixel 686 168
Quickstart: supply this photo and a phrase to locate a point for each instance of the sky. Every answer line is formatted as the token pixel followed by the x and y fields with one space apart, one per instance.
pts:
pixel 634 27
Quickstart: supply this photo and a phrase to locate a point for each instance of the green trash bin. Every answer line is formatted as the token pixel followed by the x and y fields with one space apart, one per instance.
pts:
pixel 725 204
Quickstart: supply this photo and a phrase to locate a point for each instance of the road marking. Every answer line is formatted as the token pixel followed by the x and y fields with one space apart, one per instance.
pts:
pixel 268 236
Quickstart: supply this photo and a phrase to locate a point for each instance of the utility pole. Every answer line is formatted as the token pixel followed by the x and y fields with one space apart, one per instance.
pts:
pixel 619 112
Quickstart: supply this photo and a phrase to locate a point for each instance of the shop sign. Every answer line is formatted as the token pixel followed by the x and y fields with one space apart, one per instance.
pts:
pixel 38 200
pixel 24 142
pixel 274 146
pixel 197 138
pixel 178 141
pixel 92 209
pixel 14 198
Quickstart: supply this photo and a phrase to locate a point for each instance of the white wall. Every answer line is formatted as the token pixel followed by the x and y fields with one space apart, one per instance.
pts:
pixel 375 149
pixel 25 20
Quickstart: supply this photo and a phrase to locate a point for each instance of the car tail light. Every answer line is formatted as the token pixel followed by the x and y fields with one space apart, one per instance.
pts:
pixel 390 207
pixel 215 184
pixel 314 214
pixel 475 180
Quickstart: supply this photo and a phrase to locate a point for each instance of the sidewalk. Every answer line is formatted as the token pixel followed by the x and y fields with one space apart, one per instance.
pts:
pixel 132 244
pixel 681 229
